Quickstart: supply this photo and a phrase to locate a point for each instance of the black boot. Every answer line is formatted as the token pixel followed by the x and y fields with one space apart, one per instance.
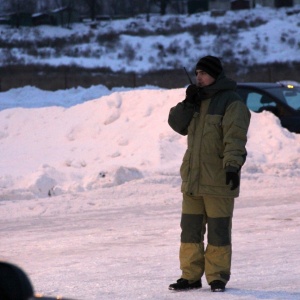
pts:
pixel 184 284
pixel 217 286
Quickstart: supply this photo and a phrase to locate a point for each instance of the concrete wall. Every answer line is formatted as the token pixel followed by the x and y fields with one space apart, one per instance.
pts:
pixel 65 78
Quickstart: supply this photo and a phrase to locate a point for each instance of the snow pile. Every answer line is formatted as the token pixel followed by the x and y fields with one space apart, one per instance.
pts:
pixel 114 139
pixel 267 147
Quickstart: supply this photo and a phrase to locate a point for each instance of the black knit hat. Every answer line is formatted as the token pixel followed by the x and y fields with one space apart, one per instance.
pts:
pixel 14 283
pixel 211 65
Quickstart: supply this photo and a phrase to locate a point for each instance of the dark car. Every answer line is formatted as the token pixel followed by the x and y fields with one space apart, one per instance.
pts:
pixel 281 98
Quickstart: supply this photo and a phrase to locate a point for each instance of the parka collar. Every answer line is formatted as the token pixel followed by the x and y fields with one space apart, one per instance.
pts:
pixel 222 83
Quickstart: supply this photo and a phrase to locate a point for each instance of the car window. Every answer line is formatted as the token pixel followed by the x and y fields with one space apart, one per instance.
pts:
pixel 256 101
pixel 292 97
pixel 253 101
pixel 289 96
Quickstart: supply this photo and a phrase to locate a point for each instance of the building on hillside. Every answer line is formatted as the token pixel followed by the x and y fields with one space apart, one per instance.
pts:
pixel 42 19
pixel 194 6
pixel 20 19
pixel 244 4
pixel 64 16
pixel 5 20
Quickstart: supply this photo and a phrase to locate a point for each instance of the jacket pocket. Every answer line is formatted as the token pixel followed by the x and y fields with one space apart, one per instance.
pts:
pixel 213 173
pixel 213 126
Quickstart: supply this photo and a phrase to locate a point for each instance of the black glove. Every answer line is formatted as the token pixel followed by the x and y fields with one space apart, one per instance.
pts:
pixel 191 93
pixel 234 178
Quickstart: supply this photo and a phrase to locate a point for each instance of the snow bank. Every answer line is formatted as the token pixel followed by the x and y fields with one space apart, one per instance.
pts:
pixel 114 139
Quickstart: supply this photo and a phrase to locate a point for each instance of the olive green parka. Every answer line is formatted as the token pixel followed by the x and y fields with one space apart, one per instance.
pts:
pixel 216 129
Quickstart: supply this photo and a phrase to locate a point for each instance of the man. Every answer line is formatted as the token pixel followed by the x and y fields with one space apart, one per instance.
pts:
pixel 216 121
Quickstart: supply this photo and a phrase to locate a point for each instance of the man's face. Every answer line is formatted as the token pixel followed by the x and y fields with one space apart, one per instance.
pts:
pixel 203 79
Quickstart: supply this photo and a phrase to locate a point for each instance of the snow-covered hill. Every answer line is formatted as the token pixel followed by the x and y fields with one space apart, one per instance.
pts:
pixel 246 37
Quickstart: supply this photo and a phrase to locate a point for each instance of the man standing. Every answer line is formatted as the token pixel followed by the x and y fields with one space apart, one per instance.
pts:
pixel 215 120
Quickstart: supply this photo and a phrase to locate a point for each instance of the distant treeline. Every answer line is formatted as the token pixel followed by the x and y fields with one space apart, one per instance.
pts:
pixel 63 12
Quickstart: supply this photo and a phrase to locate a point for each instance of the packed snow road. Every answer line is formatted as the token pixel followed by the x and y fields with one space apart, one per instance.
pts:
pixel 122 242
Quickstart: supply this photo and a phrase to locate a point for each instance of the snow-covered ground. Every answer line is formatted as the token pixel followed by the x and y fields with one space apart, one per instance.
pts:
pixel 90 197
